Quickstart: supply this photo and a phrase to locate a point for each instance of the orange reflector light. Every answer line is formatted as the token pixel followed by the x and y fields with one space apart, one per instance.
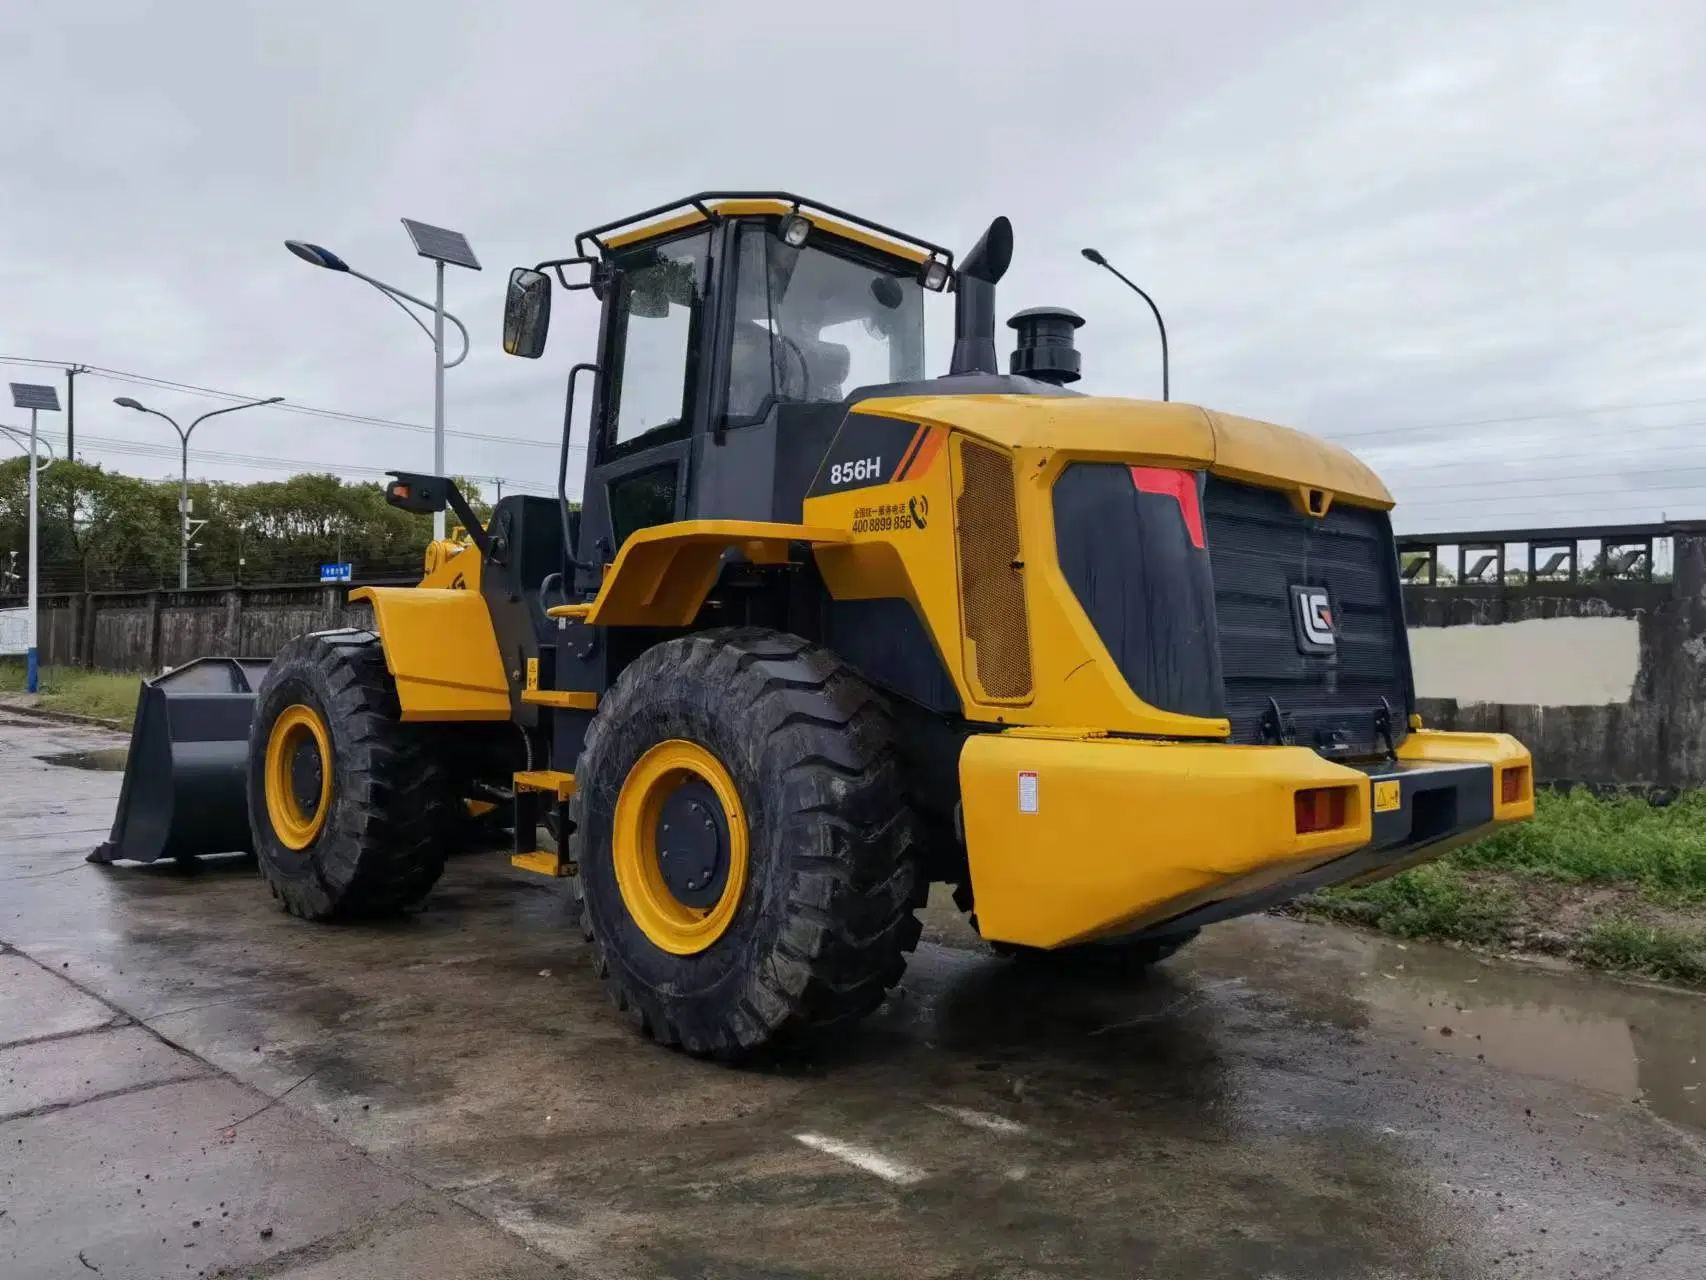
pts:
pixel 1321 809
pixel 1513 784
pixel 399 491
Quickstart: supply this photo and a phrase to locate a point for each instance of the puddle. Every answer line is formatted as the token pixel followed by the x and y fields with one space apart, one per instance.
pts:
pixel 105 759
pixel 1629 1042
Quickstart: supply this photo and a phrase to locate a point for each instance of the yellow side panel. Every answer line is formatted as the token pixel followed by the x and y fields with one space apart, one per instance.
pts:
pixel 1073 679
pixel 1500 750
pixel 663 574
pixel 1149 433
pixel 1261 453
pixel 1102 427
pixel 441 650
pixel 1073 839
pixel 458 572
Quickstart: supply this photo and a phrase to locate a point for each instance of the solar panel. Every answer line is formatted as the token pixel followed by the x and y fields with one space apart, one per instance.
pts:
pixel 33 395
pixel 441 245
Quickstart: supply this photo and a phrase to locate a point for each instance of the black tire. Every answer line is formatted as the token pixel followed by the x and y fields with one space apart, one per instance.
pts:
pixel 382 840
pixel 825 919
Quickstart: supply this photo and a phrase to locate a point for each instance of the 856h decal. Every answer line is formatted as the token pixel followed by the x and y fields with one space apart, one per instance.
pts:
pixel 869 450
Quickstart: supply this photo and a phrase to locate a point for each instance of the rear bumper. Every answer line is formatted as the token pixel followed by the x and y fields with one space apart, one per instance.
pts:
pixel 1072 838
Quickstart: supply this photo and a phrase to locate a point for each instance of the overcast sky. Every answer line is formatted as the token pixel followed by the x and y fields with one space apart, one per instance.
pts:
pixel 1383 223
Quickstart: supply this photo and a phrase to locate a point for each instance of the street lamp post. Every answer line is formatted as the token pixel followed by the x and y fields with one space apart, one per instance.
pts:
pixel 125 402
pixel 1096 257
pixel 442 247
pixel 35 397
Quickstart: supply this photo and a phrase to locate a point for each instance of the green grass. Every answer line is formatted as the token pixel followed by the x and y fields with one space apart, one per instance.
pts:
pixel 105 694
pixel 1580 838
pixel 1661 951
pixel 1435 900
pixel 1647 866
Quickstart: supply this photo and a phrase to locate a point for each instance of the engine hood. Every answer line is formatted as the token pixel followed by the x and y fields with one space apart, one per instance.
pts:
pixel 1149 432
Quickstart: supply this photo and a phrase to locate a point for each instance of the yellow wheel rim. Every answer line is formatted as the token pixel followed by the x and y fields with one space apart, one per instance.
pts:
pixel 299 756
pixel 669 788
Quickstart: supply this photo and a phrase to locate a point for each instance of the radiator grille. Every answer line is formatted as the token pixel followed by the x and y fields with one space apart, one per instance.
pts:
pixel 1260 548
pixel 992 586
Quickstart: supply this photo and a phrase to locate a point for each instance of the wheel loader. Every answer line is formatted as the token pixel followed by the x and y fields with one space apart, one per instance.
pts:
pixel 824 630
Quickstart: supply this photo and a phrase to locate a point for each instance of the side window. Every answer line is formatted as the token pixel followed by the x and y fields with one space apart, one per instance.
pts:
pixel 658 325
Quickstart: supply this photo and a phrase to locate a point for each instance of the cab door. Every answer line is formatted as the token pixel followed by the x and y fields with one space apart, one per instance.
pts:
pixel 654 355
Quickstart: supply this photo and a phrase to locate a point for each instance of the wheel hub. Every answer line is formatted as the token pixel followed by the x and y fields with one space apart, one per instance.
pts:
pixel 298 783
pixel 307 772
pixel 679 847
pixel 693 844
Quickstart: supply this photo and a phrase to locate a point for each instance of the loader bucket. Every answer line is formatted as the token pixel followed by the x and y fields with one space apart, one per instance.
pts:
pixel 184 779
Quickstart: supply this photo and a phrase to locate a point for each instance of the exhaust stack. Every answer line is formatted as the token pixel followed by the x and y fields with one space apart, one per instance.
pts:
pixel 974 300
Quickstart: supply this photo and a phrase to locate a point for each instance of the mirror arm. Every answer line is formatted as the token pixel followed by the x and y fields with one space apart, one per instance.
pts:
pixel 556 265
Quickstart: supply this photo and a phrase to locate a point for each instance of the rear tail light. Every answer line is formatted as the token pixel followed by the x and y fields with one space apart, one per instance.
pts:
pixel 1513 785
pixel 1322 809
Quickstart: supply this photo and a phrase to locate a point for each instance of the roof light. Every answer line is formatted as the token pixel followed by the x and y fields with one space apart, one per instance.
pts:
pixel 795 229
pixel 934 277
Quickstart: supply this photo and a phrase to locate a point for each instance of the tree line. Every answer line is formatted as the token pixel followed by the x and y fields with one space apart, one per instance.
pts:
pixel 103 531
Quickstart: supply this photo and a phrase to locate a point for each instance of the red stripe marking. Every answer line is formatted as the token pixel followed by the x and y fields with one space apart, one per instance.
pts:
pixel 1181 486
pixel 926 453
pixel 911 451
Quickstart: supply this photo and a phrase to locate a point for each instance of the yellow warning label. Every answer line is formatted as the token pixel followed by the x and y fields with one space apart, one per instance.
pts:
pixel 1388 796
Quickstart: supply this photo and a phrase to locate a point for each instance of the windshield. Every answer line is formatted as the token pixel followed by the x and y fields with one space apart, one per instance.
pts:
pixel 814 325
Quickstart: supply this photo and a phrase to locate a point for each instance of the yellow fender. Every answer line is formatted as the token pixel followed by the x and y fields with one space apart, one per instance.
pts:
pixel 442 651
pixel 663 574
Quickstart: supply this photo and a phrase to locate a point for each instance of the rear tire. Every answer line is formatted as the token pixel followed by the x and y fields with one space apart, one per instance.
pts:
pixel 350 808
pixel 798 755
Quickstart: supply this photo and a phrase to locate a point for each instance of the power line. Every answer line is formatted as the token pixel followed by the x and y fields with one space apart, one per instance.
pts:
pixel 339 415
pixel 1522 417
pixel 265 462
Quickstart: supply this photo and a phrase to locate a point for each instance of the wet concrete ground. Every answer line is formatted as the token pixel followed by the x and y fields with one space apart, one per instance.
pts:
pixel 1280 1100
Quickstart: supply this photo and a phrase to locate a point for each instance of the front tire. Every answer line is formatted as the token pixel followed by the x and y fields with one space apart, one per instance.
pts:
pixel 744 844
pixel 349 807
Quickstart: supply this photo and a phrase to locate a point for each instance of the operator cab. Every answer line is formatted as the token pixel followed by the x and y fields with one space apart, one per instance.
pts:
pixel 733 332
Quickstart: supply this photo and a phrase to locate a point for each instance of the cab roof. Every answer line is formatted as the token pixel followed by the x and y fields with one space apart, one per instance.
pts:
pixel 712 206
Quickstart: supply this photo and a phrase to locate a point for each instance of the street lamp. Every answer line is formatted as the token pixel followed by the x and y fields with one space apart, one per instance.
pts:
pixel 35 397
pixel 125 402
pixel 1096 257
pixel 442 247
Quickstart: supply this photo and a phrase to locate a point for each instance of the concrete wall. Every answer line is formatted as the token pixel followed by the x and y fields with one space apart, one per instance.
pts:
pixel 147 630
pixel 1547 662
pixel 1605 682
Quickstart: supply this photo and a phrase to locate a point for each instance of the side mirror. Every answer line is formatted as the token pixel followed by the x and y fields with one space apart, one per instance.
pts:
pixel 527 313
pixel 418 494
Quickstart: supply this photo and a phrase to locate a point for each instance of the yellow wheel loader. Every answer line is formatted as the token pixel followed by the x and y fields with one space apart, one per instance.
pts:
pixel 825 630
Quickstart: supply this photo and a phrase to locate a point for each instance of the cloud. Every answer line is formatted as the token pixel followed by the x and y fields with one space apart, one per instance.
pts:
pixel 1370 221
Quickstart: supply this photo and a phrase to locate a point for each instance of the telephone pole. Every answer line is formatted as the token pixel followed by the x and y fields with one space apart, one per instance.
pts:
pixel 71 373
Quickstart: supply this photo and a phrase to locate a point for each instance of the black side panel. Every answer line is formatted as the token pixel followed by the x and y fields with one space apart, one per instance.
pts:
pixel 886 643
pixel 804 433
pixel 525 547
pixel 1135 560
pixel 1329 697
pixel 867 451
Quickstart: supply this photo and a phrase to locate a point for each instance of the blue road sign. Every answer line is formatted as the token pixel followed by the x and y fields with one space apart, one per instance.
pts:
pixel 335 572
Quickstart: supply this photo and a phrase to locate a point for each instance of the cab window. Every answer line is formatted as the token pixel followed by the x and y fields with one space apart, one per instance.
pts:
pixel 655 343
pixel 813 323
